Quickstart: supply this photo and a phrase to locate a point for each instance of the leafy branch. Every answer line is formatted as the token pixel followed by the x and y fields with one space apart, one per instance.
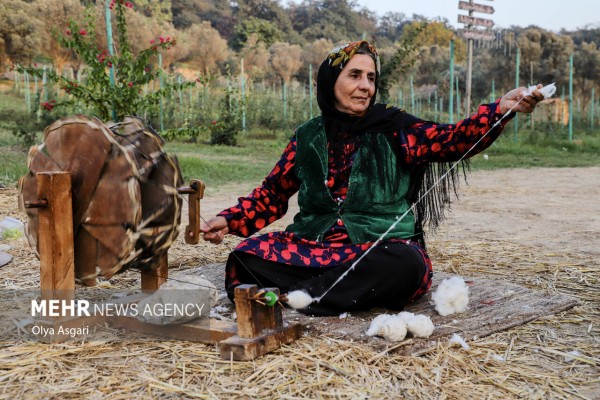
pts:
pixel 97 92
pixel 401 61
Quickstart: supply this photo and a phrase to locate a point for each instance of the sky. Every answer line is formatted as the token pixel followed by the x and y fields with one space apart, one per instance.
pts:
pixel 548 14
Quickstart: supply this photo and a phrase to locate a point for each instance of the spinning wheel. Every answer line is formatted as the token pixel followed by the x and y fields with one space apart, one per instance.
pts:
pixel 126 208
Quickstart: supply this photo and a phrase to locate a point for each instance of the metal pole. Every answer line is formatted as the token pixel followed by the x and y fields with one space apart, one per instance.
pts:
pixel 160 86
pixel 469 69
pixel 180 93
pixel 451 97
pixel 284 89
pixel 45 84
pixel 243 84
pixel 571 98
pixel 458 109
pixel 111 51
pixel 518 65
pixel 592 108
pixel 469 76
pixel 310 89
pixel 412 96
pixel 27 92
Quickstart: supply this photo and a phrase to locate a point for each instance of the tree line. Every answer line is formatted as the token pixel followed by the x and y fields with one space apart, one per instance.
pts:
pixel 279 41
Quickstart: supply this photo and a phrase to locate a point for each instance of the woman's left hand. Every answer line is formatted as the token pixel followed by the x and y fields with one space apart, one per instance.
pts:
pixel 526 105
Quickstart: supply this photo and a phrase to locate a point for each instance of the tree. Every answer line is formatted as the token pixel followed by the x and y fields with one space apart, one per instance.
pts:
pixel 586 63
pixel 548 52
pixel 315 52
pixel 266 32
pixel 218 12
pixel 55 16
pixel 429 33
pixel 206 47
pixel 393 66
pixel 390 26
pixel 20 32
pixel 159 10
pixel 267 10
pixel 336 20
pixel 256 57
pixel 286 60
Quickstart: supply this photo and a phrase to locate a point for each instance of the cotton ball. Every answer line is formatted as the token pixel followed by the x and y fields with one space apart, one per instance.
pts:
pixel 391 327
pixel 451 296
pixel 394 329
pixel 547 91
pixel 420 326
pixel 406 316
pixel 417 325
pixel 299 299
pixel 376 324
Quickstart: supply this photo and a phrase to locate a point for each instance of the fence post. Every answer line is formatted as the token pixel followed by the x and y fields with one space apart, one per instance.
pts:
pixel 160 86
pixel 243 84
pixel 451 96
pixel 310 89
pixel 518 65
pixel 592 109
pixel 458 102
pixel 27 92
pixel 284 90
pixel 412 96
pixel 571 98
pixel 111 51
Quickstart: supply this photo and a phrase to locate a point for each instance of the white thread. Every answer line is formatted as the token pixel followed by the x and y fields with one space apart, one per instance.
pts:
pixel 398 219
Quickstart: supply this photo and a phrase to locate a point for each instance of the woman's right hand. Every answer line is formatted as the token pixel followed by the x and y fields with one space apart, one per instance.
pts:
pixel 214 229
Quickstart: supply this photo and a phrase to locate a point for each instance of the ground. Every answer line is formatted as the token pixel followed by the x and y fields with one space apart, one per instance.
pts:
pixel 539 228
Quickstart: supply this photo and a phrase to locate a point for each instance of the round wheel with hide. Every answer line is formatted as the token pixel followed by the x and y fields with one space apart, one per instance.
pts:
pixel 126 209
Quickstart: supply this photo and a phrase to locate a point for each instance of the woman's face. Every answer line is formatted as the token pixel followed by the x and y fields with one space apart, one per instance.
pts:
pixel 355 86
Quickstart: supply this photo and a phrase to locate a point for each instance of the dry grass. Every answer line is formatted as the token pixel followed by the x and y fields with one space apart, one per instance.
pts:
pixel 533 361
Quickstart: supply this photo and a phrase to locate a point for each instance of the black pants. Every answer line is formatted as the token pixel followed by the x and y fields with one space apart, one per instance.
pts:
pixel 388 277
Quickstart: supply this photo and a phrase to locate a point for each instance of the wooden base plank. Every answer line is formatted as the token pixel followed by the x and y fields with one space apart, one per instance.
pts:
pixel 208 331
pixel 245 349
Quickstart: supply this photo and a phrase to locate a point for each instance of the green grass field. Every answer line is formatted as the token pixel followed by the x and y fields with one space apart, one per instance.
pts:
pixel 259 149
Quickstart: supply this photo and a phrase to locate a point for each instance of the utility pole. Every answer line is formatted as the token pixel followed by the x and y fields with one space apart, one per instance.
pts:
pixel 471 33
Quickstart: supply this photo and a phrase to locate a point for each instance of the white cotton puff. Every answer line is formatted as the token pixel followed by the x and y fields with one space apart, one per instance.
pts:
pixel 547 91
pixel 457 339
pixel 451 296
pixel 390 327
pixel 406 316
pixel 420 326
pixel 376 324
pixel 299 299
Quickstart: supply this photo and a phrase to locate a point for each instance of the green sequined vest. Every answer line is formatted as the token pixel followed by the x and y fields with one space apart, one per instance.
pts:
pixel 371 204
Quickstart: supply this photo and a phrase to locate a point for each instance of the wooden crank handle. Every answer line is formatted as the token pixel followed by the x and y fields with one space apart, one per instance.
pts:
pixel 192 231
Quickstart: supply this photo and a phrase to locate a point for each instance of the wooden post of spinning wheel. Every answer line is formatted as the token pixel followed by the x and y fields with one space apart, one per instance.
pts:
pixel 196 193
pixel 152 280
pixel 57 272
